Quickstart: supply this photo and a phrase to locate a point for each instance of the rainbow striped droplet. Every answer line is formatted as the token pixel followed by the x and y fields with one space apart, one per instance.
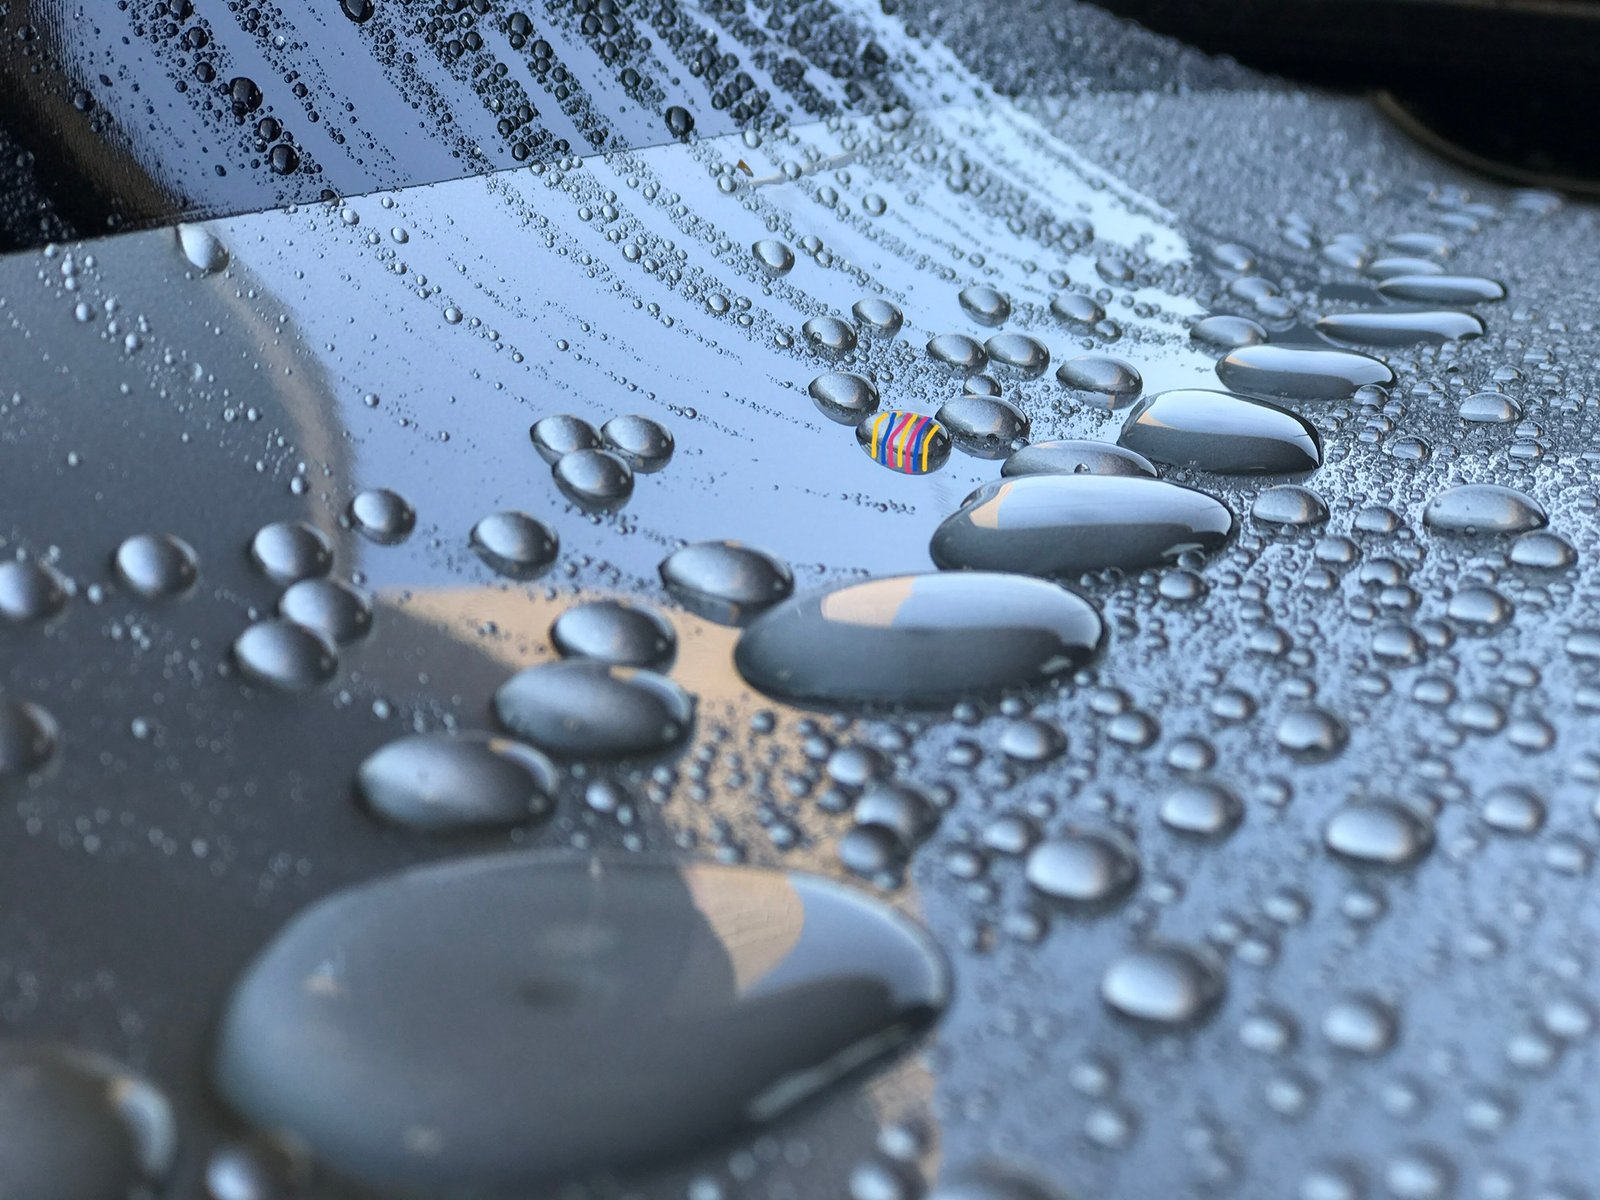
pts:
pixel 904 441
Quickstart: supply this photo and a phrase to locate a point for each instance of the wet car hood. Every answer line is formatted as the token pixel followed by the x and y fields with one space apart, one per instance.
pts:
pixel 1314 908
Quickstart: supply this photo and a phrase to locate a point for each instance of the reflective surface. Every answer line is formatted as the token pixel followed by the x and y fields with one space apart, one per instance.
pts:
pixel 1330 948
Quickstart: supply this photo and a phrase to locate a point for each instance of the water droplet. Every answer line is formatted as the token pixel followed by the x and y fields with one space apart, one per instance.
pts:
pixel 556 437
pixel 1201 809
pixel 1479 609
pixel 904 441
pixel 843 397
pixel 381 516
pixel 79 1127
pixel 1513 809
pixel 1100 377
pixel 1077 309
pixel 963 355
pixel 1069 525
pixel 1084 867
pixel 1490 408
pixel 726 582
pixel 616 632
pixel 200 246
pixel 829 335
pixel 1381 832
pixel 30 591
pixel 919 639
pixel 1312 734
pixel 1222 433
pixel 1399 328
pixel 515 544
pixel 597 480
pixel 1543 550
pixel 1289 504
pixel 986 426
pixel 1018 353
pixel 1433 288
pixel 1361 1025
pixel 156 564
pixel 341 612
pixel 1483 508
pixel 1300 374
pixel 457 783
pixel 680 123
pixel 537 971
pixel 1228 333
pixel 644 444
pixel 286 656
pixel 1163 983
pixel 579 708
pixel 985 305
pixel 1077 458
pixel 773 257
pixel 28 738
pixel 287 551
pixel 881 317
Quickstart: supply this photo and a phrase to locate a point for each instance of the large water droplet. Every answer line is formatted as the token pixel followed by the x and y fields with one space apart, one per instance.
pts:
pixel 1101 378
pixel 983 425
pixel 156 564
pixel 1228 333
pixel 726 582
pixel 284 655
pixel 597 480
pixel 773 256
pixel 1360 1024
pixel 578 708
pixel 287 551
pixel 30 590
pixel 1289 504
pixel 28 737
pixel 1070 525
pixel 1084 867
pixel 1222 433
pixel 1383 832
pixel 644 444
pixel 881 317
pixel 692 1002
pixel 455 783
pixel 1483 508
pixel 515 544
pixel 1163 983
pixel 381 516
pixel 1430 288
pixel 919 639
pixel 1398 328
pixel 1201 809
pixel 963 355
pixel 557 436
pixel 1018 353
pixel 1077 458
pixel 829 336
pixel 1543 550
pixel 78 1127
pixel 1300 374
pixel 1490 408
pixel 843 397
pixel 616 632
pixel 984 304
pixel 341 612
pixel 200 246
